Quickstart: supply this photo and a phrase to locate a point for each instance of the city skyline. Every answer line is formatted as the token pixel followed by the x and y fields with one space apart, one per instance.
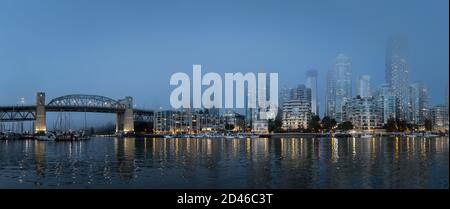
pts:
pixel 98 54
pixel 243 95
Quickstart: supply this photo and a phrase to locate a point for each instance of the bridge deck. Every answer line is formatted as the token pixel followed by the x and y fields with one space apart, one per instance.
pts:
pixel 27 112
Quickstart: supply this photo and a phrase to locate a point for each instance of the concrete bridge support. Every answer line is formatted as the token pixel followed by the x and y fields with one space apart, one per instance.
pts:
pixel 40 123
pixel 125 120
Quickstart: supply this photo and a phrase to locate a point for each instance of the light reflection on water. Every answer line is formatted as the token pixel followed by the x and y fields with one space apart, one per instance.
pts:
pixel 226 163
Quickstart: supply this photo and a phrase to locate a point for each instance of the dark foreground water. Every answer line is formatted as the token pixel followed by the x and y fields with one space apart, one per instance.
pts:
pixel 226 163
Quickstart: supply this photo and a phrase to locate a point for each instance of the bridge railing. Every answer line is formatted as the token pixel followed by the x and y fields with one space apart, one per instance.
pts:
pixel 15 108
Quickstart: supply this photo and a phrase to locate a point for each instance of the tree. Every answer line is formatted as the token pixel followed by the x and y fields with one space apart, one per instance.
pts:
pixel 314 124
pixel 428 125
pixel 328 123
pixel 390 125
pixel 402 125
pixel 410 126
pixel 346 126
pixel 275 125
pixel 229 127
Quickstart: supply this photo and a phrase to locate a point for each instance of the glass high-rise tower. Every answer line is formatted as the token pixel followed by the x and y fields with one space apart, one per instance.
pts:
pixel 418 103
pixel 339 87
pixel 311 82
pixel 397 73
pixel 364 89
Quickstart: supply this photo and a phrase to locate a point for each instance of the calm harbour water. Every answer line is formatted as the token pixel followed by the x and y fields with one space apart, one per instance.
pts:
pixel 226 163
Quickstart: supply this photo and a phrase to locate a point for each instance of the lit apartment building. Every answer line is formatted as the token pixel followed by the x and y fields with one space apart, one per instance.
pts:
pixel 296 114
pixel 364 113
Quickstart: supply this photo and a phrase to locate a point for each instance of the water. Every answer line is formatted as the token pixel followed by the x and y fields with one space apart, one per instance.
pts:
pixel 226 163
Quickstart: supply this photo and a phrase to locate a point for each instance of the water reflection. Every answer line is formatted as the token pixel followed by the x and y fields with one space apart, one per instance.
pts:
pixel 226 163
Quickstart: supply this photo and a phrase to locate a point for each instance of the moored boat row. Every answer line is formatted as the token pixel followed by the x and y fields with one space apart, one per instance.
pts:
pixel 49 136
pixel 213 135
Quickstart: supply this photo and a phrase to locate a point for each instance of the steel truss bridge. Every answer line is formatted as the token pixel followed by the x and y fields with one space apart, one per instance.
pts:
pixel 126 114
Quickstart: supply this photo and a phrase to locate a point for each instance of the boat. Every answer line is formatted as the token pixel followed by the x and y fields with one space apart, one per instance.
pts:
pixel 27 136
pixel 430 135
pixel 253 136
pixel 168 136
pixel 46 137
pixel 71 136
pixel 366 136
pixel 11 136
pixel 229 137
pixel 200 136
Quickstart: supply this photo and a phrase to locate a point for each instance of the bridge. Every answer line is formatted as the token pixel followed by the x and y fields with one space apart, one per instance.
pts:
pixel 123 108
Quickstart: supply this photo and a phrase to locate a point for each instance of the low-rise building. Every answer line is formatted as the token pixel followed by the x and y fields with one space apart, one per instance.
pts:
pixel 187 121
pixel 234 121
pixel 296 114
pixel 439 117
pixel 162 121
pixel 364 113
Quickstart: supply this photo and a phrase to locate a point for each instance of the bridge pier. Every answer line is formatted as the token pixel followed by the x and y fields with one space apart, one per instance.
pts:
pixel 125 120
pixel 40 123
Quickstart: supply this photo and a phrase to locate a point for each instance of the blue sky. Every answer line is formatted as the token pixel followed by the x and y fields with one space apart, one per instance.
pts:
pixel 119 48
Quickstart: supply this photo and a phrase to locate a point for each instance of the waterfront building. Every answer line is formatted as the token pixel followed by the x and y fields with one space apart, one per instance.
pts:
pixel 265 111
pixel 311 83
pixel 210 120
pixel 187 121
pixel 260 127
pixel 397 73
pixel 386 101
pixel 339 87
pixel 363 113
pixel 296 114
pixel 234 121
pixel 439 117
pixel 418 109
pixel 162 121
pixel 183 122
pixel 364 89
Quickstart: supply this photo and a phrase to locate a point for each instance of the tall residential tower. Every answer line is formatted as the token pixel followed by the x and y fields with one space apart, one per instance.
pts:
pixel 364 89
pixel 339 87
pixel 311 82
pixel 397 73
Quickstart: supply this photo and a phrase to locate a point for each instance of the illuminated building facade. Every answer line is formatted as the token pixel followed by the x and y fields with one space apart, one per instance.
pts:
pixel 439 117
pixel 364 113
pixel 296 114
pixel 339 87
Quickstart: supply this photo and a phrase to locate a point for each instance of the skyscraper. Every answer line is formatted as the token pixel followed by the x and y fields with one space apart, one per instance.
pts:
pixel 285 92
pixel 364 89
pixel 311 82
pixel 301 93
pixel 386 102
pixel 397 73
pixel 418 109
pixel 339 87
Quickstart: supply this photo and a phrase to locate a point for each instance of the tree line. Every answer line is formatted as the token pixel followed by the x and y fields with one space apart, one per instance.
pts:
pixel 327 124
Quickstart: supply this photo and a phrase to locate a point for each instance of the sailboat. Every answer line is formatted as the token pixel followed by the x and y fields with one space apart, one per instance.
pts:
pixel 46 137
